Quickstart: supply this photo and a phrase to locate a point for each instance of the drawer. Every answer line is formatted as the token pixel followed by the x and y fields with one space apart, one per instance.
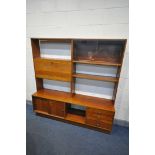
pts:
pixel 40 104
pixel 98 114
pixel 53 69
pixel 99 124
pixel 57 108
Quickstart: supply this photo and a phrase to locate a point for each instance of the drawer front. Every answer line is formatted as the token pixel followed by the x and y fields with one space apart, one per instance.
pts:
pixel 57 108
pixel 99 124
pixel 98 114
pixel 53 69
pixel 40 104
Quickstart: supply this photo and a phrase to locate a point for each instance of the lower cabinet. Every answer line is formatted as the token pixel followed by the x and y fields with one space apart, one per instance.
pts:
pixel 49 106
pixel 92 117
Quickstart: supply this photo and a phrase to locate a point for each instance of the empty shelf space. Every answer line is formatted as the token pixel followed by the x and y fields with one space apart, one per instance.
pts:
pixel 75 118
pixel 97 62
pixel 77 99
pixel 69 117
pixel 95 77
pixel 50 59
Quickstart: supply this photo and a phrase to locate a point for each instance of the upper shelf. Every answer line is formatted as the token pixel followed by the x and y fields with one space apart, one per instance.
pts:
pixel 96 77
pixel 106 63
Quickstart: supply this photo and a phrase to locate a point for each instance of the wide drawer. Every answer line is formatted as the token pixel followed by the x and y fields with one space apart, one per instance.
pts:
pixel 53 69
pixel 99 124
pixel 98 114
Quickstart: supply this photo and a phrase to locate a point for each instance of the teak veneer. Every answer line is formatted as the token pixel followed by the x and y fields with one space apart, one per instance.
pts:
pixel 97 113
pixel 95 77
pixel 106 63
pixel 77 99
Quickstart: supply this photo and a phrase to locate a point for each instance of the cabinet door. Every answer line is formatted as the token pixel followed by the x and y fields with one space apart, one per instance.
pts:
pixel 41 104
pixel 59 109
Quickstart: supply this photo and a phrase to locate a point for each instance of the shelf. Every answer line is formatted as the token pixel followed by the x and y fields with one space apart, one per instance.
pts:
pixel 106 63
pixel 69 117
pixel 77 99
pixel 96 77
pixel 75 118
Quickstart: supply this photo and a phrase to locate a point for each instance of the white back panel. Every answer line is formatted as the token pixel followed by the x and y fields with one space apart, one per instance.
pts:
pixel 96 70
pixel 56 85
pixel 94 88
pixel 55 50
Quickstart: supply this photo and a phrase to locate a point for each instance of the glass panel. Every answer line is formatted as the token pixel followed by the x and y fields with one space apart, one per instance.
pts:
pixel 98 50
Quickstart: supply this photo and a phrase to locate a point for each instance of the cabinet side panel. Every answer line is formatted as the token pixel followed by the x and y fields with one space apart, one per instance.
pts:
pixel 35 48
pixel 36 54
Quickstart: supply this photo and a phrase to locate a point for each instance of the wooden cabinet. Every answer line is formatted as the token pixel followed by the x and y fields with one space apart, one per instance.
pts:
pixel 98 113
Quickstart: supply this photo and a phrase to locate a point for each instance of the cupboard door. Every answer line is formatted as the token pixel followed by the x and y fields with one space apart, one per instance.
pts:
pixel 59 109
pixel 40 104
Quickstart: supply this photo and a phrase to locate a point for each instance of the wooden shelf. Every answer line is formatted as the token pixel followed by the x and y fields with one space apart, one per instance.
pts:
pixel 106 63
pixel 69 117
pixel 75 118
pixel 77 99
pixel 95 77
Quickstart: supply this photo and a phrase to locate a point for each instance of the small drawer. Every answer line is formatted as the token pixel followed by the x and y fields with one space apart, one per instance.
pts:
pixel 99 124
pixel 98 114
pixel 40 104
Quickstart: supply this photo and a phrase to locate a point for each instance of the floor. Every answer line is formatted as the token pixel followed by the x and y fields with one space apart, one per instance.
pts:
pixel 49 137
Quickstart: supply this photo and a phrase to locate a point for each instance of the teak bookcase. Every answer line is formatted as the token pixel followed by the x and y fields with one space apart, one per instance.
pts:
pixel 99 112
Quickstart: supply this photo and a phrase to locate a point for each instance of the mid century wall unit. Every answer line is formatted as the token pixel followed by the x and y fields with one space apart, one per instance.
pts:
pixel 94 112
